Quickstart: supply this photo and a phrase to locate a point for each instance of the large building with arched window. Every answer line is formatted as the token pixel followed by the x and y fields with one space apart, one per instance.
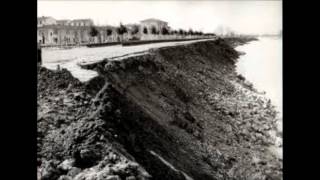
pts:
pixel 71 32
pixel 52 32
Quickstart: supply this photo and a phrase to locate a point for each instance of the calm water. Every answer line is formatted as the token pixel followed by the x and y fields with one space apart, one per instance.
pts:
pixel 262 66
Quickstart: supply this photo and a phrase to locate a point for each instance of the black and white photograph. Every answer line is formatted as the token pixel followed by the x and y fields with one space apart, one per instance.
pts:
pixel 159 90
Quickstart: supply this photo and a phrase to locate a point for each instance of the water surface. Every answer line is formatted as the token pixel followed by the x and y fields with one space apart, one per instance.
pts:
pixel 262 66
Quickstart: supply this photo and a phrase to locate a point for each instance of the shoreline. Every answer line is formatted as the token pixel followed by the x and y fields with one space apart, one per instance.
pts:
pixel 192 111
pixel 277 133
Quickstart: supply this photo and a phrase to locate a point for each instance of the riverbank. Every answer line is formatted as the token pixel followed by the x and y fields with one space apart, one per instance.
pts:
pixel 262 65
pixel 239 41
pixel 152 116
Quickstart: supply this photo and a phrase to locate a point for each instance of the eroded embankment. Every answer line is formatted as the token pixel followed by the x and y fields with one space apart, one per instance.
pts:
pixel 175 113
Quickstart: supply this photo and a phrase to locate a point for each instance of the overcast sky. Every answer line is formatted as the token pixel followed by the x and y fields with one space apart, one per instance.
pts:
pixel 241 16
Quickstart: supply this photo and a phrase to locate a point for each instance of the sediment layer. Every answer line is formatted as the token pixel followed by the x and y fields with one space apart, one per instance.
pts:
pixel 173 113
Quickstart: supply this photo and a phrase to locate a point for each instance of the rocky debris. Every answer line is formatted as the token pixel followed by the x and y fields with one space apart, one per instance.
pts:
pixel 66 165
pixel 114 167
pixel 238 41
pixel 63 125
pixel 65 177
pixel 73 172
pixel 186 103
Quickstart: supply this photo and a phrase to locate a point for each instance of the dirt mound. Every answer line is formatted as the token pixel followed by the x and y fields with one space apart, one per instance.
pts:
pixel 72 142
pixel 175 113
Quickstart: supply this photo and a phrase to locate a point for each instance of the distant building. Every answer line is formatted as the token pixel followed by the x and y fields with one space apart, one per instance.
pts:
pixel 63 35
pixel 63 32
pixel 72 32
pixel 75 32
pixel 42 21
pixel 81 22
pixel 152 22
pixel 103 35
pixel 63 22
pixel 134 31
pixel 147 26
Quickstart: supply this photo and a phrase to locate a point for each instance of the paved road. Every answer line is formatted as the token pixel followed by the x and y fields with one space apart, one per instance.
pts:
pixel 70 58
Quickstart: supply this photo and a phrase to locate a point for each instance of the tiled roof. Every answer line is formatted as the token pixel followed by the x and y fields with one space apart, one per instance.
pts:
pixel 63 20
pixel 77 20
pixel 152 20
pixel 74 27
pixel 45 17
pixel 53 26
pixel 131 25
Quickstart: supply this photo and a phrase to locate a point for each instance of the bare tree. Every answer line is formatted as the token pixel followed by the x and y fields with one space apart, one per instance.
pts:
pixel 164 31
pixel 121 30
pixel 135 29
pixel 153 30
pixel 181 32
pixel 190 32
pixel 93 31
pixel 109 32
pixel 145 30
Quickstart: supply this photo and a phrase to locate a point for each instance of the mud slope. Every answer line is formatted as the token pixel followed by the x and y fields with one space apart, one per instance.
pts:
pixel 175 113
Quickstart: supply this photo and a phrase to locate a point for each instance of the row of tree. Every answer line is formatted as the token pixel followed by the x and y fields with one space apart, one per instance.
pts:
pixel 121 30
pixel 135 29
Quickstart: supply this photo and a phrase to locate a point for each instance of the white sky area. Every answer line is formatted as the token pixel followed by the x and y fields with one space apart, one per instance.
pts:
pixel 248 17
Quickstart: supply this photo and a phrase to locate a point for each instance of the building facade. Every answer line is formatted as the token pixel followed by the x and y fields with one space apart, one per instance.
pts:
pixel 62 35
pixel 72 32
pixel 43 21
pixel 147 26
pixel 53 32
pixel 63 22
pixel 156 23
pixel 81 22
